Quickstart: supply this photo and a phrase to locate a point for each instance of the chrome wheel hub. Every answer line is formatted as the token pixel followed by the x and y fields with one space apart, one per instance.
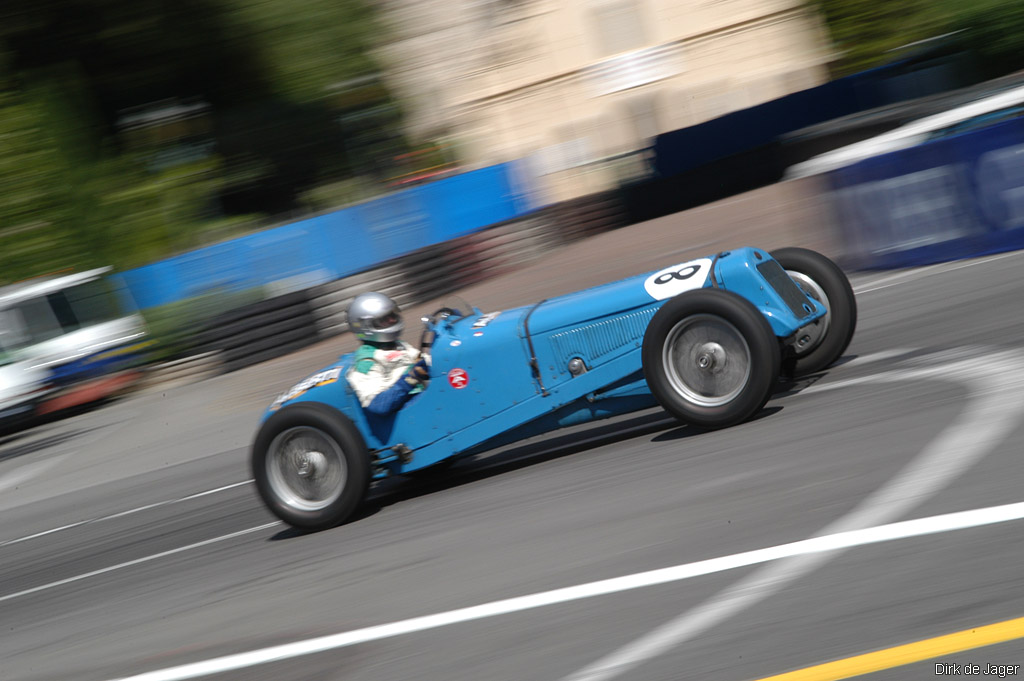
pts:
pixel 711 357
pixel 707 360
pixel 306 468
pixel 309 464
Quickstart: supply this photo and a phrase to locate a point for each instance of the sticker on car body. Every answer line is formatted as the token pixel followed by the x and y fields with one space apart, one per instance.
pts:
pixel 486 319
pixel 677 279
pixel 458 378
pixel 314 381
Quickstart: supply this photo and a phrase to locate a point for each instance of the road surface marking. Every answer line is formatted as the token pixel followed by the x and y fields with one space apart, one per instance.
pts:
pixel 928 649
pixel 877 357
pixel 843 540
pixel 137 561
pixel 29 471
pixel 121 514
pixel 26 473
pixel 893 279
pixel 922 272
pixel 993 410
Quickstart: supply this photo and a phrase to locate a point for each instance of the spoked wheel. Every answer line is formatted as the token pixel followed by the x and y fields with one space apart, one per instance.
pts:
pixel 822 280
pixel 710 358
pixel 310 466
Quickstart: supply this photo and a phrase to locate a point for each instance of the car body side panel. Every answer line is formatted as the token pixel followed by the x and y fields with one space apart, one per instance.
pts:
pixel 520 415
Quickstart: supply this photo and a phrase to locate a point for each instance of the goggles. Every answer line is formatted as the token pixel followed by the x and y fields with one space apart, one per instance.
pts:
pixel 385 322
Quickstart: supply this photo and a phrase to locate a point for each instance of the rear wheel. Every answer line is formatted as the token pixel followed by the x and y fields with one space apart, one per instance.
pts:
pixel 825 282
pixel 710 358
pixel 310 465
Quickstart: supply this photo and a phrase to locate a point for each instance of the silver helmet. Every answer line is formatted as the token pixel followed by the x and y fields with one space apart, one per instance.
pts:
pixel 375 318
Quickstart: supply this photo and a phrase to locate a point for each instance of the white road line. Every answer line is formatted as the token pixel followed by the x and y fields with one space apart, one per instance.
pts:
pixel 217 489
pixel 877 356
pixel 899 277
pixel 174 501
pixel 124 513
pixel 994 409
pixel 844 540
pixel 137 561
pixel 920 273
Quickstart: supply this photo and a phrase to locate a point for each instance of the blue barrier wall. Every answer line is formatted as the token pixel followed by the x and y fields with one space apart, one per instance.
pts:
pixel 687 149
pixel 337 244
pixel 952 198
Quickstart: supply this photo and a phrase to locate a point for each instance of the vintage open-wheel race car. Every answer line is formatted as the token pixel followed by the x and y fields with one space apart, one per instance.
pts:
pixel 705 339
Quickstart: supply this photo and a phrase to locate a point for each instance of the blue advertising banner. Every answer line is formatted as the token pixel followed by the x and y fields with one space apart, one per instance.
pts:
pixel 327 247
pixel 954 197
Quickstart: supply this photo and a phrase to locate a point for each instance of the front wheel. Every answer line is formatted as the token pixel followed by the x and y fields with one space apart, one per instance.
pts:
pixel 823 280
pixel 310 465
pixel 710 358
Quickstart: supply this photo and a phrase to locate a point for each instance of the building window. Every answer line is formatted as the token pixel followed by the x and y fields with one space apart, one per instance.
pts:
pixel 619 26
pixel 642 112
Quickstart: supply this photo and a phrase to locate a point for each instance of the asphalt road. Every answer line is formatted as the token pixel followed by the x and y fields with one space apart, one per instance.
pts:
pixel 131 540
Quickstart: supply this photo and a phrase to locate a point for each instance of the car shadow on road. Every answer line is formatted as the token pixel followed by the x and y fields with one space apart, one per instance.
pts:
pixel 484 466
pixel 31 446
pixel 793 386
pixel 690 431
pixel 516 457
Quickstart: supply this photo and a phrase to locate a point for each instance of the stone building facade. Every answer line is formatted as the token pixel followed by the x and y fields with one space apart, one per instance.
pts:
pixel 577 86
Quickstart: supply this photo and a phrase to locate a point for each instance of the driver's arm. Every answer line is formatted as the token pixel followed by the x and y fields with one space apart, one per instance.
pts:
pixel 395 397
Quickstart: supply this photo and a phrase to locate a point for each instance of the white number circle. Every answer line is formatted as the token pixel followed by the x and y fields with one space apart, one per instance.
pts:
pixel 677 279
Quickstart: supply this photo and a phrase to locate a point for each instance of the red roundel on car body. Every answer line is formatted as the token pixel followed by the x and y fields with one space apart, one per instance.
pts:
pixel 458 379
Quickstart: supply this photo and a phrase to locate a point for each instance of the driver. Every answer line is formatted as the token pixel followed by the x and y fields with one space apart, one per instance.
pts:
pixel 387 371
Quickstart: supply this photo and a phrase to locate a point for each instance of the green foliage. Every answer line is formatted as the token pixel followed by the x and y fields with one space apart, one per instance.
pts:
pixel 58 209
pixel 993 30
pixel 136 217
pixel 310 46
pixel 345 192
pixel 278 80
pixel 36 200
pixel 866 32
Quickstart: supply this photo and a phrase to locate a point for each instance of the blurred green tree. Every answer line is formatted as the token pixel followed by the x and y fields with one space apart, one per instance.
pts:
pixel 35 200
pixel 867 32
pixel 276 83
pixel 993 30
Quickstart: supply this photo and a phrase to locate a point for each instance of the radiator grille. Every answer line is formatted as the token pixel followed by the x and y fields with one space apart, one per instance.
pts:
pixel 784 286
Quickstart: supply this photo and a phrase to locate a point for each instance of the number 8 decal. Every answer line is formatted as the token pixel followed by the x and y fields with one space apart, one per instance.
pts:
pixel 677 279
pixel 682 274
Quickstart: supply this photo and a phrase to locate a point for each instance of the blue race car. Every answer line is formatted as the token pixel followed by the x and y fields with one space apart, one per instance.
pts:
pixel 705 339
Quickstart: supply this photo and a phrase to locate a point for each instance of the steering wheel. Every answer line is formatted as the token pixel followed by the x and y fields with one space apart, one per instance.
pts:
pixel 429 322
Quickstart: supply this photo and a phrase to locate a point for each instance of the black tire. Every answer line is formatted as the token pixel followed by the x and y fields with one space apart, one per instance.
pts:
pixel 328 451
pixel 732 337
pixel 818 276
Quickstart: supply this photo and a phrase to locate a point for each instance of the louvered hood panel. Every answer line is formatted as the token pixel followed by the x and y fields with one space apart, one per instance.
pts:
pixel 593 342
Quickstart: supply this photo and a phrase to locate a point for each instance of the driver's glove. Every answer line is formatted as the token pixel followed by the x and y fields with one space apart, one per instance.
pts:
pixel 419 374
